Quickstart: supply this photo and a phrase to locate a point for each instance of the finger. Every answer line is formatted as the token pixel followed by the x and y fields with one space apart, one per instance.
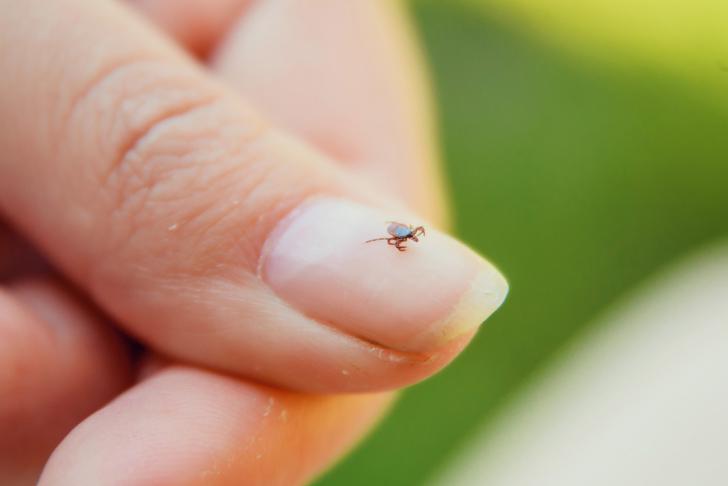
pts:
pixel 359 92
pixel 208 233
pixel 347 77
pixel 58 364
pixel 196 25
pixel 222 432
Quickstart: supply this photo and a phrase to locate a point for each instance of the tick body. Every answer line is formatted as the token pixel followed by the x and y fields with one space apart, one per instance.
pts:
pixel 400 233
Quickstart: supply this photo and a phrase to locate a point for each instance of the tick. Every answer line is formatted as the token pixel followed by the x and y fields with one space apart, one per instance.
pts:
pixel 400 233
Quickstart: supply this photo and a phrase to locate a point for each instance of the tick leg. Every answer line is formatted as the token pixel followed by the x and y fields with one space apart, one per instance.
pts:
pixel 392 241
pixel 400 245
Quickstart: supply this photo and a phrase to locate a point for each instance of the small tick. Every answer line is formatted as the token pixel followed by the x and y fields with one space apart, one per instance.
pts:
pixel 400 233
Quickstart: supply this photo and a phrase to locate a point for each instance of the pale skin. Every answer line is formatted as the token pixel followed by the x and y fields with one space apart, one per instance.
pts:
pixel 149 149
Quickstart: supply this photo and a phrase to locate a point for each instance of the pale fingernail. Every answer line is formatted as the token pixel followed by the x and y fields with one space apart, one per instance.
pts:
pixel 414 300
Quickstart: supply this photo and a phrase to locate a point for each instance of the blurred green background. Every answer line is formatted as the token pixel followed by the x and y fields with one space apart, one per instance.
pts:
pixel 583 154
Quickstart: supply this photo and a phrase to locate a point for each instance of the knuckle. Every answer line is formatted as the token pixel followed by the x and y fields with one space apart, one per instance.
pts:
pixel 162 140
pixel 181 174
pixel 181 169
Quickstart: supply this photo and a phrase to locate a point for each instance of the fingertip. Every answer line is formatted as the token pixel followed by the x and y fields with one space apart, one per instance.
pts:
pixel 188 426
pixel 404 294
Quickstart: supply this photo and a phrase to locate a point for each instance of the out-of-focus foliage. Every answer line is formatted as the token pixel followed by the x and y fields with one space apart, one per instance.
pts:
pixel 685 40
pixel 586 147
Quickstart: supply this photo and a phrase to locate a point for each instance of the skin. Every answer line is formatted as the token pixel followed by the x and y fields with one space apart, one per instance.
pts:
pixel 84 400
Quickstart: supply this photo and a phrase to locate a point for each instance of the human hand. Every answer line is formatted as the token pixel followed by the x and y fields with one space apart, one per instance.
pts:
pixel 216 210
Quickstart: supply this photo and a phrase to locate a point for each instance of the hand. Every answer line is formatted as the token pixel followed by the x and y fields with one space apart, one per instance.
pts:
pixel 215 209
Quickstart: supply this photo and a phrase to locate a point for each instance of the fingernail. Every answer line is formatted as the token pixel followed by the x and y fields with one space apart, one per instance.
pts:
pixel 415 300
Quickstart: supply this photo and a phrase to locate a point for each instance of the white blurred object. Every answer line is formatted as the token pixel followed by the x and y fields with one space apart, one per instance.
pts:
pixel 640 400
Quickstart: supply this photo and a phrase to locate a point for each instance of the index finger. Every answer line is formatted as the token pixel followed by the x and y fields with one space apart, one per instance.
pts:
pixel 207 232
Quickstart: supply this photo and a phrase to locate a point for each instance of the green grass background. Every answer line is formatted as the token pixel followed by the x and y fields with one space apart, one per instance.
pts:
pixel 578 179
